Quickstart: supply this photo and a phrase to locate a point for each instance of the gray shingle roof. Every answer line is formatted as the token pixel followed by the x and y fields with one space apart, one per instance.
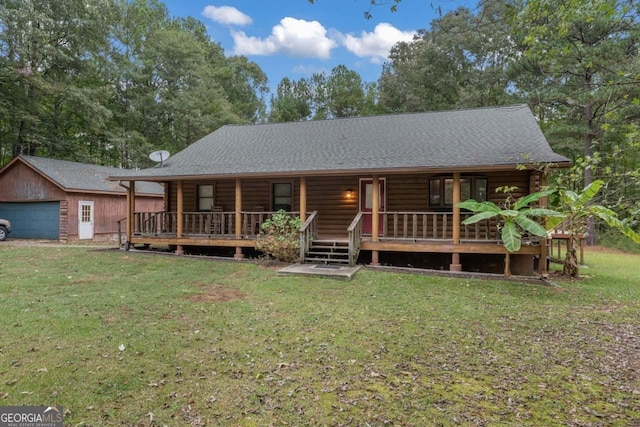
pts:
pixel 464 139
pixel 86 177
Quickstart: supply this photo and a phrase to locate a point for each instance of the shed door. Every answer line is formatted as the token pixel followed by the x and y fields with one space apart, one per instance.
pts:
pixel 36 220
pixel 85 220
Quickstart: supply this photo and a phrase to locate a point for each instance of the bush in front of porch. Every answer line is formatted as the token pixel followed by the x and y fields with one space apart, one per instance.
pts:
pixel 280 237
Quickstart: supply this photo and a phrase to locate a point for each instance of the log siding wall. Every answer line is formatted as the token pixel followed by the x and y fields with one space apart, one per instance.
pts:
pixel 328 195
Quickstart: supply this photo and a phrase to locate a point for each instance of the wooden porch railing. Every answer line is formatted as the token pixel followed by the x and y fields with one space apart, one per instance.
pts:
pixel 208 223
pixel 154 222
pixel 201 223
pixel 120 222
pixel 308 232
pixel 432 226
pixel 355 238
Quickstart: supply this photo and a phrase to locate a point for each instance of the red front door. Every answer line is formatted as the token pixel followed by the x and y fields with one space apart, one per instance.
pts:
pixel 366 204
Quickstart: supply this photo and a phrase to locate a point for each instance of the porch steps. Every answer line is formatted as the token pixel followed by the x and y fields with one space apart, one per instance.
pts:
pixel 328 252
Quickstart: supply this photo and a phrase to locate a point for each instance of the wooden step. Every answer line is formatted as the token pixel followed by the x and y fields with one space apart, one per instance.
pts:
pixel 326 251
pixel 330 242
pixel 325 261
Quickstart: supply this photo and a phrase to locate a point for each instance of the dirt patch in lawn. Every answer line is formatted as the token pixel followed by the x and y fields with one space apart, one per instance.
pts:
pixel 217 293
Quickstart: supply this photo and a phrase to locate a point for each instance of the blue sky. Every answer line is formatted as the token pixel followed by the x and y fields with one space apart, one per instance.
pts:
pixel 293 38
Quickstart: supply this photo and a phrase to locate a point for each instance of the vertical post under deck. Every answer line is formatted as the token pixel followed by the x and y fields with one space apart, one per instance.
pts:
pixel 131 203
pixel 303 199
pixel 238 254
pixel 544 244
pixel 375 218
pixel 180 217
pixel 455 257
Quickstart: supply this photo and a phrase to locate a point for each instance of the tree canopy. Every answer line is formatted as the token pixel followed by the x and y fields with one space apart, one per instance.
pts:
pixel 108 81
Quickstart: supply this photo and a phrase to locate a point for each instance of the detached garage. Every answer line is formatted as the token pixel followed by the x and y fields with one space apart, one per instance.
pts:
pixel 67 201
pixel 36 220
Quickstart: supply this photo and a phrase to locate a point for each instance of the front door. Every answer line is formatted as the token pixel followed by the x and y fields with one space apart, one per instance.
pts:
pixel 85 220
pixel 366 204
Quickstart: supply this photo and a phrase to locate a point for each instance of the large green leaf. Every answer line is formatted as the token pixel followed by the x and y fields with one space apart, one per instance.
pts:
pixel 570 197
pixel 590 191
pixel 509 213
pixel 511 237
pixel 612 220
pixel 475 206
pixel 533 197
pixel 554 221
pixel 531 226
pixel 479 217
pixel 542 212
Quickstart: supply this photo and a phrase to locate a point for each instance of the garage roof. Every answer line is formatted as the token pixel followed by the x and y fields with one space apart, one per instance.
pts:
pixel 72 176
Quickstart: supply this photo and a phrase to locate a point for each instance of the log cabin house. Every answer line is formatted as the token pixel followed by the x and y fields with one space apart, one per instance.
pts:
pixel 377 189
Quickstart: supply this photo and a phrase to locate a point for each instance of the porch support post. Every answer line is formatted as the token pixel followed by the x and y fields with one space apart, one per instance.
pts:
pixel 375 218
pixel 238 254
pixel 131 209
pixel 180 216
pixel 303 198
pixel 544 245
pixel 455 258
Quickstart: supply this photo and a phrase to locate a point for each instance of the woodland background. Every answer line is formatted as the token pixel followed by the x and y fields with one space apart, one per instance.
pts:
pixel 109 81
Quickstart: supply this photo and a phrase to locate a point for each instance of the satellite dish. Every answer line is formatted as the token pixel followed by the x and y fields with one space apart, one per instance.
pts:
pixel 159 156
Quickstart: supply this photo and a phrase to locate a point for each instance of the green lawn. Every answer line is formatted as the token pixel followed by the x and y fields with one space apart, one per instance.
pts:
pixel 131 339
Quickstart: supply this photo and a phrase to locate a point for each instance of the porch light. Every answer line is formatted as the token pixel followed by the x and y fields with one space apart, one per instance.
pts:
pixel 349 193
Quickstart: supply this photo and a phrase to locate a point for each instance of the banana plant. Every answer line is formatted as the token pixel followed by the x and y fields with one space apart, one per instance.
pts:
pixel 576 209
pixel 516 216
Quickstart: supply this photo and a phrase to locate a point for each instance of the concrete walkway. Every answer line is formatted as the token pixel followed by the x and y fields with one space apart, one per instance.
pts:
pixel 322 270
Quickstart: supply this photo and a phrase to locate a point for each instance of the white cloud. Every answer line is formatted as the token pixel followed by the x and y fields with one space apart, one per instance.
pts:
pixel 226 15
pixel 294 37
pixel 376 45
pixel 308 70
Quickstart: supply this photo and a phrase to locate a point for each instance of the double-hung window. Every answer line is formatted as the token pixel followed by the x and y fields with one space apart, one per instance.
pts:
pixel 441 190
pixel 205 197
pixel 282 196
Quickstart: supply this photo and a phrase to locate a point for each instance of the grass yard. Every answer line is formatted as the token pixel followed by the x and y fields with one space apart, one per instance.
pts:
pixel 127 339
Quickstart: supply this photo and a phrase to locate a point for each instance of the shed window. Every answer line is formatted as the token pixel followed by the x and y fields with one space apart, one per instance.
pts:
pixel 282 196
pixel 205 197
pixel 441 190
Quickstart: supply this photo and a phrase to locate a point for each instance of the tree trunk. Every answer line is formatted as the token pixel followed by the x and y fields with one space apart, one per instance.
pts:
pixel 507 265
pixel 570 268
pixel 588 154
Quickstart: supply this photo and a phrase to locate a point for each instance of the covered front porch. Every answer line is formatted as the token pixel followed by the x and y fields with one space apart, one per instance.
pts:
pixel 374 231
